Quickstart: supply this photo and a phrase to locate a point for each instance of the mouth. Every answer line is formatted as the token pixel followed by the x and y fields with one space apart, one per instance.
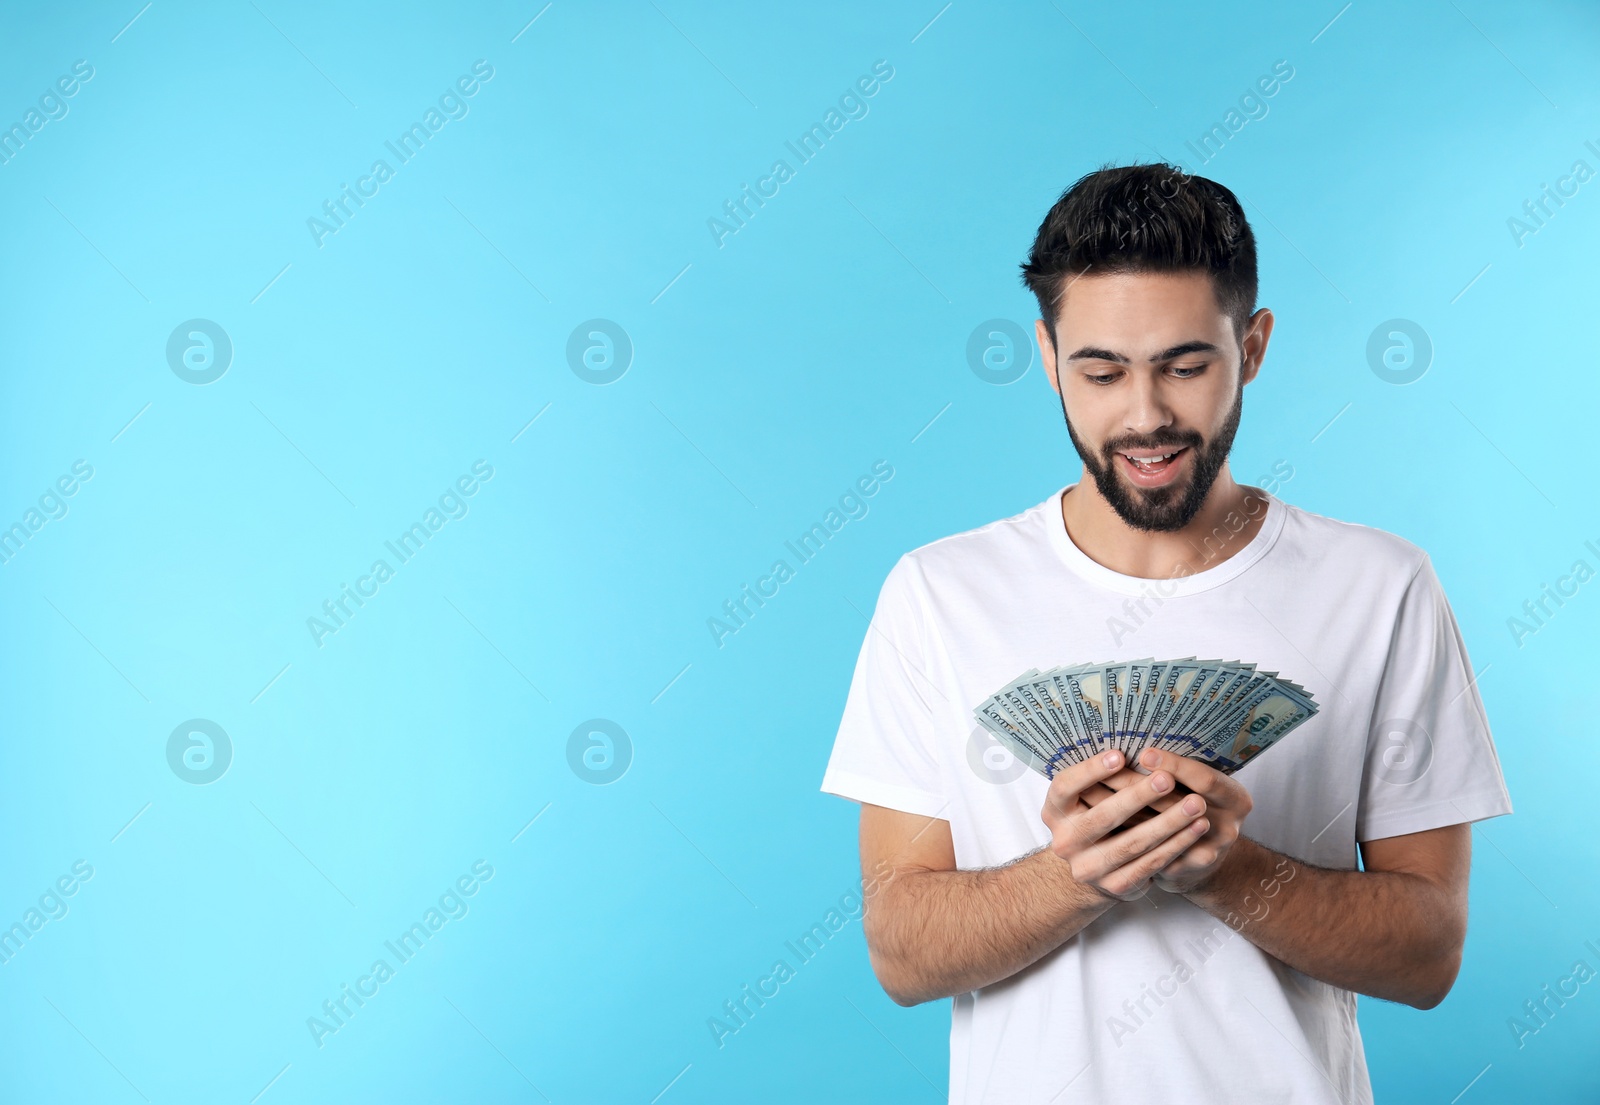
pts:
pixel 1152 467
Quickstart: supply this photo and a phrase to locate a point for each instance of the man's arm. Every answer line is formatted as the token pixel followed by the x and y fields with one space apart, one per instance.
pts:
pixel 934 931
pixel 1394 931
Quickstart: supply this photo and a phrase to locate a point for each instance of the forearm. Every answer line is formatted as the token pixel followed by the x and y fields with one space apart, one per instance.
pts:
pixel 933 934
pixel 1386 934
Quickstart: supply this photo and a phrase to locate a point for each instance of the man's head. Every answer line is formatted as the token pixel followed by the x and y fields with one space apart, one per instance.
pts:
pixel 1146 281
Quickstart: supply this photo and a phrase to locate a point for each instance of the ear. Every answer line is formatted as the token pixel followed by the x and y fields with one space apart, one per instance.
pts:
pixel 1047 354
pixel 1256 336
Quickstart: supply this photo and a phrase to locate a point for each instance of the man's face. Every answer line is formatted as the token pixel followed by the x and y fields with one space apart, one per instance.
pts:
pixel 1149 367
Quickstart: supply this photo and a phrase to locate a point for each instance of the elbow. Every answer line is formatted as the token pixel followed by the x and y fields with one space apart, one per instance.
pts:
pixel 1428 1000
pixel 903 963
pixel 897 994
pixel 904 1001
pixel 897 975
pixel 1439 957
pixel 893 981
pixel 1446 968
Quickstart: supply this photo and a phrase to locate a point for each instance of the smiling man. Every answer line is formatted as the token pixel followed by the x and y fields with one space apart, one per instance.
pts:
pixel 1161 932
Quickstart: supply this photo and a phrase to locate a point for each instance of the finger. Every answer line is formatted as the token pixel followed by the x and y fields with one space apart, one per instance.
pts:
pixel 1062 797
pixel 1102 819
pixel 1143 813
pixel 1136 840
pixel 1099 793
pixel 1197 856
pixel 1095 793
pixel 1137 817
pixel 1136 773
pixel 1200 778
pixel 1132 776
pixel 1126 777
pixel 1137 871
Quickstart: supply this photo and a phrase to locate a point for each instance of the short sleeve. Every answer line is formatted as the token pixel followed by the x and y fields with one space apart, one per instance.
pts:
pixel 1430 758
pixel 885 753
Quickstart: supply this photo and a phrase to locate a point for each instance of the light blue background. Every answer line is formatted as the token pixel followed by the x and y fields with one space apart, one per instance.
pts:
pixel 767 375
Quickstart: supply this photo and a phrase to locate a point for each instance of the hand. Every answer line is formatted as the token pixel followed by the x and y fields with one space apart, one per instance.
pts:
pixel 1118 865
pixel 1226 799
pixel 1096 793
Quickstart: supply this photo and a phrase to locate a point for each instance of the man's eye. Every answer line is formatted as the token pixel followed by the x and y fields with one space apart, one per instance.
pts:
pixel 1186 371
pixel 1102 379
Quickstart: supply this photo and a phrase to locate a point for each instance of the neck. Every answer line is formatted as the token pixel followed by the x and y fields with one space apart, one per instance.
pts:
pixel 1213 535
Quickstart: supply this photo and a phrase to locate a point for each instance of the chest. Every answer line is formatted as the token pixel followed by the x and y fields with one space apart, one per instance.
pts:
pixel 1305 789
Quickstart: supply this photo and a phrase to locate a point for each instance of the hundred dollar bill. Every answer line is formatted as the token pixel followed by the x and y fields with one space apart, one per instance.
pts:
pixel 1076 713
pixel 1135 675
pixel 1027 726
pixel 1222 712
pixel 1170 702
pixel 1088 692
pixel 1060 718
pixel 1233 686
pixel 1009 738
pixel 1115 679
pixel 1012 736
pixel 1258 729
pixel 1029 704
pixel 1226 725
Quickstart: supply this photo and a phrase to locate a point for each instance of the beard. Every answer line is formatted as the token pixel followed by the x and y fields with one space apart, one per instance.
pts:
pixel 1161 509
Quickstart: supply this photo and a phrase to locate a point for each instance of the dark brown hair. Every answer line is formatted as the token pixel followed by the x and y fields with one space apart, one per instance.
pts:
pixel 1144 218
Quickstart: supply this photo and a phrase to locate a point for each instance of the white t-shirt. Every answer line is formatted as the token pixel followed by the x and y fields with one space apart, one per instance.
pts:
pixel 1156 1000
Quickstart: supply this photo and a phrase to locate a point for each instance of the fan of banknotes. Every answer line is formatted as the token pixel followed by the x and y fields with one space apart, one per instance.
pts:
pixel 1221 712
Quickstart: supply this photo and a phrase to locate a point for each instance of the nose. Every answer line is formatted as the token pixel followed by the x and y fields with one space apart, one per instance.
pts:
pixel 1147 410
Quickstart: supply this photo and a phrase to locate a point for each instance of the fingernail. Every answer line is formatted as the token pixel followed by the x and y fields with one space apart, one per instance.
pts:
pixel 1111 759
pixel 1191 804
pixel 1158 782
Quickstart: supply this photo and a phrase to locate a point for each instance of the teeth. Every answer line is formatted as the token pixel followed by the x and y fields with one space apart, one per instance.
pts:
pixel 1147 461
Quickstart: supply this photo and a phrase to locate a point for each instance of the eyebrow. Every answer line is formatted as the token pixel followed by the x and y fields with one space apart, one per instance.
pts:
pixel 1090 353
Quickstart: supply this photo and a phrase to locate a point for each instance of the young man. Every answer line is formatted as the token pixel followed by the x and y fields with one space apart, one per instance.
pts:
pixel 1109 936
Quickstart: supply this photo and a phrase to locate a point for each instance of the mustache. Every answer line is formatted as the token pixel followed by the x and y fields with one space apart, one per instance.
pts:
pixel 1158 441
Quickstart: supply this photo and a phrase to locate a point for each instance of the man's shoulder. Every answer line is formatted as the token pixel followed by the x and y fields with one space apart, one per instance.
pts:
pixel 1333 540
pixel 988 547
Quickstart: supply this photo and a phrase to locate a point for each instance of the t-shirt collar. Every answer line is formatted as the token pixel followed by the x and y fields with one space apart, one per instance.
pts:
pixel 1201 579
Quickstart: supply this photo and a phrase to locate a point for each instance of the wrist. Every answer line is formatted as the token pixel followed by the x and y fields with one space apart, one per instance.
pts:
pixel 1223 888
pixel 1080 901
